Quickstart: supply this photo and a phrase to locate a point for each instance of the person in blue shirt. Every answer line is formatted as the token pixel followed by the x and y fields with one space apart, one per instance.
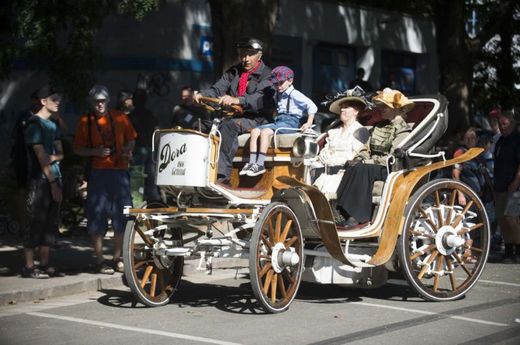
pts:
pixel 44 190
pixel 292 107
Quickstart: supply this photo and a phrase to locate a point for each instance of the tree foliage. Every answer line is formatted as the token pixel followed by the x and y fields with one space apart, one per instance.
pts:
pixel 469 66
pixel 234 19
pixel 58 36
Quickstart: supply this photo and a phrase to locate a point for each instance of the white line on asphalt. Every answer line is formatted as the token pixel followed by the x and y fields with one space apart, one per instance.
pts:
pixel 431 313
pixel 133 329
pixel 405 283
pixel 497 283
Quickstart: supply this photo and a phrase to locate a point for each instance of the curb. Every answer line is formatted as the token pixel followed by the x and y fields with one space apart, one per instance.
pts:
pixel 93 282
pixel 89 284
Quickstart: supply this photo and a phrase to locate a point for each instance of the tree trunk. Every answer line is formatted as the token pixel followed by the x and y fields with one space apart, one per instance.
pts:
pixel 505 72
pixel 454 63
pixel 233 19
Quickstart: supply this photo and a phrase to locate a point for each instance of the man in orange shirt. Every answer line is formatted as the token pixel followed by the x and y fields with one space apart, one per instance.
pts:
pixel 107 138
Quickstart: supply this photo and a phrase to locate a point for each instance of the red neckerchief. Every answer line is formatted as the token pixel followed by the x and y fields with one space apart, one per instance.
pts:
pixel 242 82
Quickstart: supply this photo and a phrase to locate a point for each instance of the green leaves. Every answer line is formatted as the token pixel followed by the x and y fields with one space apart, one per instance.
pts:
pixel 58 36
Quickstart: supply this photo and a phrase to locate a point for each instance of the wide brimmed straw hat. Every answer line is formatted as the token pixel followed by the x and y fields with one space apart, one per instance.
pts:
pixel 393 99
pixel 352 95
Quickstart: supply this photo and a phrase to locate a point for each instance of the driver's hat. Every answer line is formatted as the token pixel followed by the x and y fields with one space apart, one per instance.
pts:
pixel 250 43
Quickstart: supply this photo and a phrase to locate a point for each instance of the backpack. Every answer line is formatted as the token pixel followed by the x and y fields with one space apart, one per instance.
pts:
pixel 21 156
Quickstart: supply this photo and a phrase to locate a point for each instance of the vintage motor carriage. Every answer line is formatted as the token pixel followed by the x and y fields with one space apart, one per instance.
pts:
pixel 285 226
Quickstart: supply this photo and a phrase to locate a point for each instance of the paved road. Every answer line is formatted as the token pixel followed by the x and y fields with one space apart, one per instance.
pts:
pixel 220 309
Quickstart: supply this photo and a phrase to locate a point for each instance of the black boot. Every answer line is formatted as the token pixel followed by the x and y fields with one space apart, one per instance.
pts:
pixel 338 216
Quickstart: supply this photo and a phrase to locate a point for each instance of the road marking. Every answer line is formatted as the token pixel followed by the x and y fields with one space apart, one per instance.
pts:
pixel 497 283
pixel 417 311
pixel 405 283
pixel 133 329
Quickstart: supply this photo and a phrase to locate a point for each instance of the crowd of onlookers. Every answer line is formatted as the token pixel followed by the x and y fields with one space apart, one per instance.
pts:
pixel 495 177
pixel 110 140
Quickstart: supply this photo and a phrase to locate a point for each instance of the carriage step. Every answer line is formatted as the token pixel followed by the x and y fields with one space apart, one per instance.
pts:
pixel 177 251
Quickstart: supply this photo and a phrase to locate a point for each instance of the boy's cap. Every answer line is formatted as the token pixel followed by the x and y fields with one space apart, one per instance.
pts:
pixel 250 43
pixel 281 73
pixel 45 91
pixel 99 92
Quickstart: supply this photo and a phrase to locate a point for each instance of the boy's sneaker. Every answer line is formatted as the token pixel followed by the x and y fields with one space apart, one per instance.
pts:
pixel 256 170
pixel 246 168
pixel 33 272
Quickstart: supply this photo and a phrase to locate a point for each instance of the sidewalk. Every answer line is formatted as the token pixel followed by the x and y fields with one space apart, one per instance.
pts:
pixel 73 256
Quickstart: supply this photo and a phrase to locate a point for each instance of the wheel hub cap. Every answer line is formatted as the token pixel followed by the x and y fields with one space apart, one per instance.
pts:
pixel 282 257
pixel 447 240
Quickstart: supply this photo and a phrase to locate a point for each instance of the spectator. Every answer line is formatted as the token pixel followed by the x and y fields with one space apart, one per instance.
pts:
pixel 471 172
pixel 188 114
pixel 365 85
pixel 355 190
pixel 44 193
pixel 494 115
pixel 126 102
pixel 507 183
pixel 292 108
pixel 107 136
pixel 248 85
pixel 145 123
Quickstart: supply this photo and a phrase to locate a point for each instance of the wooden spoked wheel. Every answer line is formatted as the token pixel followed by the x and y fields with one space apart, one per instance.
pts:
pixel 276 257
pixel 445 242
pixel 152 278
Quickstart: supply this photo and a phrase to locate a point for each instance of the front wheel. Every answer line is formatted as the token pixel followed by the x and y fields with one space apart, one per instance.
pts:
pixel 276 257
pixel 445 241
pixel 152 278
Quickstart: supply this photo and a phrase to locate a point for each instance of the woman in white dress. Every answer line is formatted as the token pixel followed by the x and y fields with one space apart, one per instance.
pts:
pixel 345 143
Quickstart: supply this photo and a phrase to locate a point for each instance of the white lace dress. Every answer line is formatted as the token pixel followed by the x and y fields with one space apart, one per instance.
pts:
pixel 340 147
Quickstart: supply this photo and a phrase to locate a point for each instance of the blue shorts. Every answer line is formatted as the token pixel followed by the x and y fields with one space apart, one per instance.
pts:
pixel 283 121
pixel 107 194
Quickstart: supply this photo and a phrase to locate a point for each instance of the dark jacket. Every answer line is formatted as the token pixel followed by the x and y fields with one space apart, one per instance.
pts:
pixel 259 96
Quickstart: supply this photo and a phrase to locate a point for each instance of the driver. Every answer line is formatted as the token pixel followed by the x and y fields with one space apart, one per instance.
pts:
pixel 246 84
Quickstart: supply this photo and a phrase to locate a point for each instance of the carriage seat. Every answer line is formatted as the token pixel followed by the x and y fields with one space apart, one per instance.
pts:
pixel 284 141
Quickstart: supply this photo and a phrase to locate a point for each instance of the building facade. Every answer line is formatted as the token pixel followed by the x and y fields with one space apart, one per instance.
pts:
pixel 323 41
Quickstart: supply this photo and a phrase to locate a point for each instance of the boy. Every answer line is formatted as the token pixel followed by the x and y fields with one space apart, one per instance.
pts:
pixel 292 105
pixel 44 192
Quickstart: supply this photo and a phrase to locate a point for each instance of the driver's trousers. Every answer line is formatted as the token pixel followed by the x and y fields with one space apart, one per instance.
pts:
pixel 230 129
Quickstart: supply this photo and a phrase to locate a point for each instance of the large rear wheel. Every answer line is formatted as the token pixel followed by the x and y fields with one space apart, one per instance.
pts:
pixel 276 257
pixel 152 278
pixel 445 242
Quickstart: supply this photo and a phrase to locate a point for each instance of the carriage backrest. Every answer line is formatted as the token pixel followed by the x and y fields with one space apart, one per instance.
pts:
pixel 430 118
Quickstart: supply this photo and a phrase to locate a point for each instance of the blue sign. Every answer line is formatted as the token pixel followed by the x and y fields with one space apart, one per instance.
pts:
pixel 206 46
